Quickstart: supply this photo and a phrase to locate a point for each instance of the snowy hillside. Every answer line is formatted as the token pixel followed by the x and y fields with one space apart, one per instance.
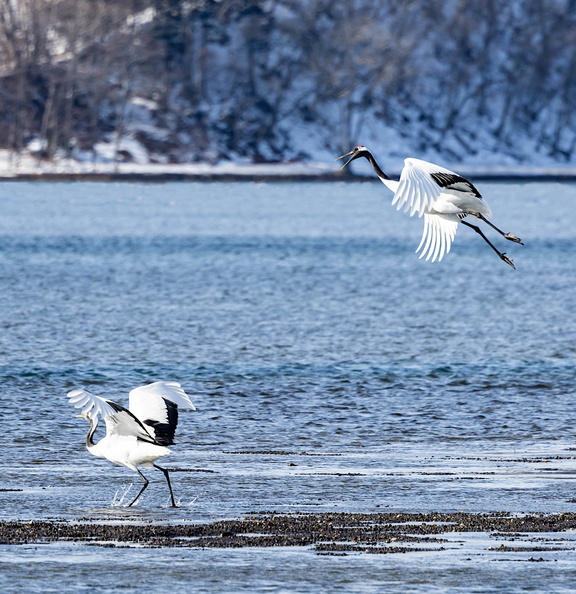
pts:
pixel 167 82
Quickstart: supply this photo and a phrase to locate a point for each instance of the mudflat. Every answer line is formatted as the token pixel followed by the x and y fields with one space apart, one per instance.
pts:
pixel 326 533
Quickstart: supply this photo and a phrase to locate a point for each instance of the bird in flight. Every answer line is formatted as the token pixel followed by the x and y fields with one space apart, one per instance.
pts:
pixel 137 436
pixel 442 196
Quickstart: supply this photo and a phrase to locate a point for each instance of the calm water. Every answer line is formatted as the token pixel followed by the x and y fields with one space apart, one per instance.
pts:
pixel 331 369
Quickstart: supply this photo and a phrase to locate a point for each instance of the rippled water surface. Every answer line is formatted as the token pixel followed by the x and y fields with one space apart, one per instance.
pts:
pixel 331 370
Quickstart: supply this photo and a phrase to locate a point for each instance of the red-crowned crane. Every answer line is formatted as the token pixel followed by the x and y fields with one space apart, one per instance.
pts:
pixel 138 436
pixel 442 196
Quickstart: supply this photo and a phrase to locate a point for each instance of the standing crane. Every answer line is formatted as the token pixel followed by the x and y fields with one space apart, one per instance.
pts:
pixel 442 196
pixel 137 436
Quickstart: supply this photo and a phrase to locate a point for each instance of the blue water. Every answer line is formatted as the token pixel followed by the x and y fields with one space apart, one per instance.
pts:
pixel 331 368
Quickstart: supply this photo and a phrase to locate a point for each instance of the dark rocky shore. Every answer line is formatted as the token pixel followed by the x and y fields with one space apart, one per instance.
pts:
pixel 330 533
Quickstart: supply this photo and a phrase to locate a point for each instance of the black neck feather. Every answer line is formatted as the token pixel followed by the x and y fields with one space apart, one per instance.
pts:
pixel 375 165
pixel 91 431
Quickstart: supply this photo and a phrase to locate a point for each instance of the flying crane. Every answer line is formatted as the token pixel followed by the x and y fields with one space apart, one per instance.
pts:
pixel 442 196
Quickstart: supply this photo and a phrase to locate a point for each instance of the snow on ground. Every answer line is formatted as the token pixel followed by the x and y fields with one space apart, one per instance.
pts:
pixel 16 165
pixel 24 164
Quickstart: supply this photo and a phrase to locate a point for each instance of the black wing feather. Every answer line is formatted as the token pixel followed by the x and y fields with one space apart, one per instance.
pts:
pixel 164 432
pixel 451 181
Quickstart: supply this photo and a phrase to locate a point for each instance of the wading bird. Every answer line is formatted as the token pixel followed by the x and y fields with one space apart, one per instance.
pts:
pixel 139 436
pixel 442 196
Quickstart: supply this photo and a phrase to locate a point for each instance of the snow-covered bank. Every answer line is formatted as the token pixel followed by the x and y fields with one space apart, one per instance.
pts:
pixel 26 168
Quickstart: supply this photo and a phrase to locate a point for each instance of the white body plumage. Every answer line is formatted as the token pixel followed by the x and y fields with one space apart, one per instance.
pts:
pixel 128 450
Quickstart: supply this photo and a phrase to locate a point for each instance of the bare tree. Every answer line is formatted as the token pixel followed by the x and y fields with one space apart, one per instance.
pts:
pixel 239 77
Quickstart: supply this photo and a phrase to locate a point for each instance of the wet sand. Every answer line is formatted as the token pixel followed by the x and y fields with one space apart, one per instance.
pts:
pixel 325 533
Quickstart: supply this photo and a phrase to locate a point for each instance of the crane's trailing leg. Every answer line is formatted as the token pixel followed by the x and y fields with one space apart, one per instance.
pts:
pixel 165 471
pixel 506 235
pixel 479 231
pixel 146 481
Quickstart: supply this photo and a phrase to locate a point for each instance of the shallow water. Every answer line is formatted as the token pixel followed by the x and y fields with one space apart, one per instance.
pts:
pixel 331 369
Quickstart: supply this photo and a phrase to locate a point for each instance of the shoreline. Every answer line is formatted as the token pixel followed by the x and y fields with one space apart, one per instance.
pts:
pixel 263 177
pixel 232 172
pixel 166 177
pixel 324 533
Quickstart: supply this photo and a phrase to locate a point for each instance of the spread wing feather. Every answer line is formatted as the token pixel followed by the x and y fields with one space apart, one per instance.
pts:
pixel 123 422
pixel 156 407
pixel 91 404
pixel 119 421
pixel 422 183
pixel 438 235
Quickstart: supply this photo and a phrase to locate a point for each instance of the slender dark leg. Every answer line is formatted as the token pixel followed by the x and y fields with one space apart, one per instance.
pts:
pixel 146 481
pixel 506 235
pixel 168 481
pixel 479 231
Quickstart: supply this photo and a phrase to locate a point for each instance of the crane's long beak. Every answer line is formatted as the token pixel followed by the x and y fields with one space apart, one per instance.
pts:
pixel 349 160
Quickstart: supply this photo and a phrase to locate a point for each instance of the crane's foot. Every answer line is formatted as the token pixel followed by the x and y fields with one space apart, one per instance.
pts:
pixel 513 238
pixel 507 260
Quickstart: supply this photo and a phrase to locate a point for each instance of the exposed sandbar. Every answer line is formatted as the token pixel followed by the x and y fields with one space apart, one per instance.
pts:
pixel 328 533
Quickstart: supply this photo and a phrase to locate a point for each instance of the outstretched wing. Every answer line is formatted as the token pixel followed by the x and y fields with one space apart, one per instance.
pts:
pixel 156 406
pixel 438 235
pixel 91 404
pixel 119 420
pixel 422 183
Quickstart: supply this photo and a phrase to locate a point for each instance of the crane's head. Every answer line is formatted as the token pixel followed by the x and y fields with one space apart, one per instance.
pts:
pixel 355 153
